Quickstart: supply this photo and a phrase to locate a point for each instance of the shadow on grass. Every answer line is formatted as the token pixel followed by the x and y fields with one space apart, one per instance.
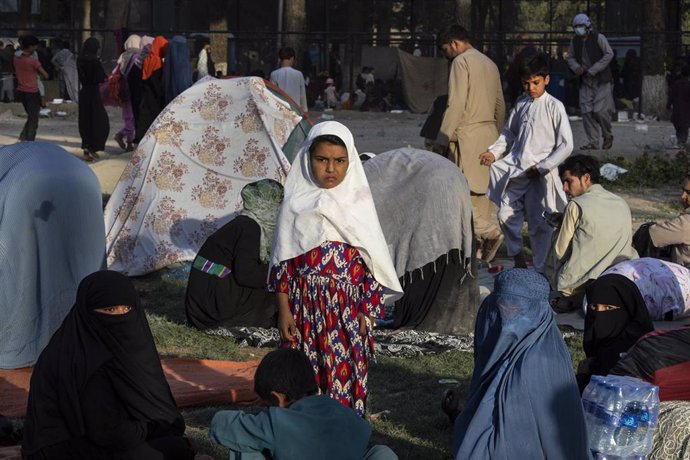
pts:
pixel 409 388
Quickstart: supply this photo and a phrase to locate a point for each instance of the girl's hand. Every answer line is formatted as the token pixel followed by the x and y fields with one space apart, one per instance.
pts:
pixel 286 326
pixel 286 322
pixel 362 318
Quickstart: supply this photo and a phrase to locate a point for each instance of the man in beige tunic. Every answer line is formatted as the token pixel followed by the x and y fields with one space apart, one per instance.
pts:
pixel 595 232
pixel 471 123
pixel 676 232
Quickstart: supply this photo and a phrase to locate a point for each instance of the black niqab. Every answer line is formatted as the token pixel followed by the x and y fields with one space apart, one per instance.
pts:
pixel 610 333
pixel 84 343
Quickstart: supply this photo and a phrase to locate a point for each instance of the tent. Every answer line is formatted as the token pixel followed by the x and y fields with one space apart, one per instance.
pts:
pixel 184 180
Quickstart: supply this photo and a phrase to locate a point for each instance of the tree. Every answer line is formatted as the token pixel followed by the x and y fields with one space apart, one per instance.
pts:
pixel 219 39
pixel 116 17
pixel 653 52
pixel 463 13
pixel 295 20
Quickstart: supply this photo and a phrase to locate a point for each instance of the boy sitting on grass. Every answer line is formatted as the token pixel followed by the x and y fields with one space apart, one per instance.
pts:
pixel 299 424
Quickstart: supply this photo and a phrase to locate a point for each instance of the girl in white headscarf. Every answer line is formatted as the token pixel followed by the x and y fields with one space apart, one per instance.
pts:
pixel 330 263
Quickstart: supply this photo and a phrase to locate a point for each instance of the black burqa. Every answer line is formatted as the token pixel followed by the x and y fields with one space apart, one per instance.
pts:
pixel 612 332
pixel 94 125
pixel 94 347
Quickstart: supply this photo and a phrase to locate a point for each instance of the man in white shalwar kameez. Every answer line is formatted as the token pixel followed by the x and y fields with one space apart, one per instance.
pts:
pixel 525 183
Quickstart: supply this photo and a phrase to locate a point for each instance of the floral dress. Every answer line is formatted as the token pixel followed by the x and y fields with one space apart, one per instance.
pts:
pixel 327 287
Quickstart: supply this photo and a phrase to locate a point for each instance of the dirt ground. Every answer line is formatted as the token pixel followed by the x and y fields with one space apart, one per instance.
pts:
pixel 374 132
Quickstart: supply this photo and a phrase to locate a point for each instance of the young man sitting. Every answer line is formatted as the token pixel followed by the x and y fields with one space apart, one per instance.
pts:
pixel 676 232
pixel 595 232
pixel 299 424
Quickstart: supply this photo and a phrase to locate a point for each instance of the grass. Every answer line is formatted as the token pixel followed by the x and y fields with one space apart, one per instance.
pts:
pixel 406 390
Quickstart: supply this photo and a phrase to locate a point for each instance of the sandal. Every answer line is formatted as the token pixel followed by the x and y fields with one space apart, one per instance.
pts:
pixel 87 156
pixel 450 405
pixel 591 146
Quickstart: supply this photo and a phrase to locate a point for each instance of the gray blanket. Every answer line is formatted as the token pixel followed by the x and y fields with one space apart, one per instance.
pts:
pixel 423 203
pixel 51 236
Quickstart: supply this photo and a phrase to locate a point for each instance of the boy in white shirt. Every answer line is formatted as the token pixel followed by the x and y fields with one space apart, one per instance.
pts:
pixel 525 183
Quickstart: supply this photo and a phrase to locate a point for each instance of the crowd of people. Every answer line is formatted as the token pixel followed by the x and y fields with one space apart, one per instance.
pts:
pixel 317 258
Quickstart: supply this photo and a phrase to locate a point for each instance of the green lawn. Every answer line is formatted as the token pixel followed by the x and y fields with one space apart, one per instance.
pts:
pixel 408 389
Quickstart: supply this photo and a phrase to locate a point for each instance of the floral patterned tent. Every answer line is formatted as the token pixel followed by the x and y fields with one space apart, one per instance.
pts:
pixel 184 180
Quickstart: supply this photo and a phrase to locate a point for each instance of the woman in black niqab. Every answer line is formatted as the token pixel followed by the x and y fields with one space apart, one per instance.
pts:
pixel 616 318
pixel 94 125
pixel 98 389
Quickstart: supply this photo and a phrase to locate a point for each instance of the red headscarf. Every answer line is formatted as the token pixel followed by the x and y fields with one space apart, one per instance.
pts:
pixel 154 61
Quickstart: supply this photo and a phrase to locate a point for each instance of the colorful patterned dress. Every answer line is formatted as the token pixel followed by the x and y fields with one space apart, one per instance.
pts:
pixel 327 287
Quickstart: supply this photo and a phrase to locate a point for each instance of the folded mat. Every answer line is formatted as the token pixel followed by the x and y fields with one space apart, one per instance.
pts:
pixel 194 382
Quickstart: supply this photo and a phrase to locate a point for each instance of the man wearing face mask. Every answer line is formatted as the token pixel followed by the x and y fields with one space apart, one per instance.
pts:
pixel 589 57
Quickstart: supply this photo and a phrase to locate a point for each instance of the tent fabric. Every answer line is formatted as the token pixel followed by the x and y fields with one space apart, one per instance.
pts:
pixel 423 203
pixel 193 382
pixel 424 79
pixel 184 180
pixel 51 236
pixel 663 359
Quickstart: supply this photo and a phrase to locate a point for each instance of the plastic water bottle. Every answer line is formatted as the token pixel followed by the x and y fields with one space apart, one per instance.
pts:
pixel 626 433
pixel 609 416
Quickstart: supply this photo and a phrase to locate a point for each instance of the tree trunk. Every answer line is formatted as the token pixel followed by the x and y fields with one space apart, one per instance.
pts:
pixel 24 16
pixel 654 91
pixel 85 22
pixel 463 13
pixel 219 41
pixel 295 20
pixel 116 17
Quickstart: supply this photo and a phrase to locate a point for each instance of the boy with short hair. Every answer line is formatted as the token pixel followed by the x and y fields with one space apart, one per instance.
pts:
pixel 26 68
pixel 299 424
pixel 525 183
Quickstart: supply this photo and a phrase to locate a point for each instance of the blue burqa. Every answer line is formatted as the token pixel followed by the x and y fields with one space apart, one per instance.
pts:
pixel 523 401
pixel 177 71
pixel 51 236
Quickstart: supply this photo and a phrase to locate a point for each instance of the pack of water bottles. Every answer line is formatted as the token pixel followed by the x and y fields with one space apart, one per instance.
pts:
pixel 621 415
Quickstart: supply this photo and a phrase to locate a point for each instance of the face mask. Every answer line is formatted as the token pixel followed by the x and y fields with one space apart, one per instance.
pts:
pixel 580 31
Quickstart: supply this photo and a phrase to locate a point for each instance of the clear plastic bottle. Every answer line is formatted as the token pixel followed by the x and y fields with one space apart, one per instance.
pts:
pixel 591 398
pixel 626 432
pixel 609 416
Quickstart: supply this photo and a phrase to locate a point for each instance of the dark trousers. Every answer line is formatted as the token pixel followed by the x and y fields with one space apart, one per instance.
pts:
pixel 681 132
pixel 32 105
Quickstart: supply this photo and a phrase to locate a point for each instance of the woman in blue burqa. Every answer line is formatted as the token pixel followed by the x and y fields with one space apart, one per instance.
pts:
pixel 523 400
pixel 51 236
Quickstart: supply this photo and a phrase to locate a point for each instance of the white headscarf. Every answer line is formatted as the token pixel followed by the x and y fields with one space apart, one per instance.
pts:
pixel 582 18
pixel 132 47
pixel 311 215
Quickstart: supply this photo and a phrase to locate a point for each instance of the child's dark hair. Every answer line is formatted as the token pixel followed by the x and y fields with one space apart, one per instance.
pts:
pixel 27 41
pixel 534 66
pixel 454 32
pixel 579 165
pixel 286 53
pixel 327 139
pixel 285 371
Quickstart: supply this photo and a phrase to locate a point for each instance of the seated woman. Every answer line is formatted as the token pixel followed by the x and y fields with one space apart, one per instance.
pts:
pixel 425 212
pixel 616 318
pixel 98 389
pixel 663 359
pixel 523 400
pixel 52 235
pixel 664 286
pixel 227 284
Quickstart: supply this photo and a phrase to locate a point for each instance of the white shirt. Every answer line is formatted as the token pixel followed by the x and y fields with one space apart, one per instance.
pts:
pixel 292 82
pixel 537 133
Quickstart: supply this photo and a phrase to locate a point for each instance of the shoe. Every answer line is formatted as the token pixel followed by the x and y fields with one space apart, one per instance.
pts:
pixel 119 138
pixel 608 143
pixel 490 246
pixel 95 155
pixel 563 305
pixel 87 156
pixel 130 147
pixel 592 146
